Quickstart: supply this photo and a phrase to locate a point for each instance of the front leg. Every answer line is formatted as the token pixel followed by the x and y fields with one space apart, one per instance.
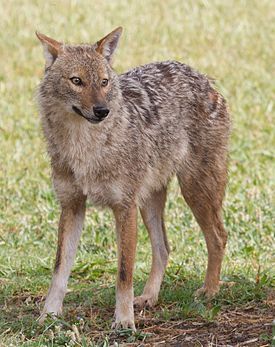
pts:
pixel 69 231
pixel 126 227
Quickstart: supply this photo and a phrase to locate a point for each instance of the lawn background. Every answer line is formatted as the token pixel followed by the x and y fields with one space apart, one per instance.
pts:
pixel 232 41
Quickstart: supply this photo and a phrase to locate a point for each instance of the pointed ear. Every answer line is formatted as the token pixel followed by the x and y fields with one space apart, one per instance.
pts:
pixel 51 48
pixel 108 44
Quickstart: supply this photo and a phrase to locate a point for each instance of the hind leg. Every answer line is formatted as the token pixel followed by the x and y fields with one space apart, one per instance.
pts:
pixel 203 191
pixel 152 214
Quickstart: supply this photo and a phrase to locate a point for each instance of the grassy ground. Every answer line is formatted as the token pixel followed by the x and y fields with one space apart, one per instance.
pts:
pixel 229 40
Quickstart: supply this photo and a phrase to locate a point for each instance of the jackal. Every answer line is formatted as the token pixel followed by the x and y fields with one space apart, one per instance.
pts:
pixel 117 140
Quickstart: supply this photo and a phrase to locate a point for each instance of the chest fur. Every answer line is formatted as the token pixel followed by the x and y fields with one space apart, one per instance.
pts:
pixel 90 160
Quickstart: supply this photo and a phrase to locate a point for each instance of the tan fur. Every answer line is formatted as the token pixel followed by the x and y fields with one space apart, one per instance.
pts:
pixel 118 143
pixel 152 215
pixel 126 226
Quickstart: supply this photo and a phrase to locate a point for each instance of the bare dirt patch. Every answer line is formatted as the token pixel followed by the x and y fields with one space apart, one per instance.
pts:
pixel 248 326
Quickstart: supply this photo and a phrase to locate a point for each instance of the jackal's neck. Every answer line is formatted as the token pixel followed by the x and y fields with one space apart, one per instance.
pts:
pixel 70 136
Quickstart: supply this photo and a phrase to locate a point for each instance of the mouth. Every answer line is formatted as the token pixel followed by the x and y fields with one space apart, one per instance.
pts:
pixel 89 119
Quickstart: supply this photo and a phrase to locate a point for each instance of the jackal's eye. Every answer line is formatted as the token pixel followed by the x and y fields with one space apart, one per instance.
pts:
pixel 104 82
pixel 76 80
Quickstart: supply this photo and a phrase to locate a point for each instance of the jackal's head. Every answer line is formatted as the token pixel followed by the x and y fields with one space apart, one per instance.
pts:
pixel 79 79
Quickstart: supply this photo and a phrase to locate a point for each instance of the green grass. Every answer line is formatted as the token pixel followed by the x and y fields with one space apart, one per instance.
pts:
pixel 232 41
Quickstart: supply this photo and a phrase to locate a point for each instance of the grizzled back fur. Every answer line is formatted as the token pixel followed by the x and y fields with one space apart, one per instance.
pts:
pixel 164 118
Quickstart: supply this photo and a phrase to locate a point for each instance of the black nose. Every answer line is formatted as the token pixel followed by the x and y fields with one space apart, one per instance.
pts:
pixel 100 112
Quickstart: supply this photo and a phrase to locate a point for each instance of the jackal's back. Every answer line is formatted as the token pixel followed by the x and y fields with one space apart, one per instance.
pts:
pixel 180 120
pixel 168 91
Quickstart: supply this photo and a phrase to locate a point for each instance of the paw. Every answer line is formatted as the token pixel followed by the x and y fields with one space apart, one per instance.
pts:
pixel 145 301
pixel 209 293
pixel 124 319
pixel 44 315
pixel 124 324
pixel 53 313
